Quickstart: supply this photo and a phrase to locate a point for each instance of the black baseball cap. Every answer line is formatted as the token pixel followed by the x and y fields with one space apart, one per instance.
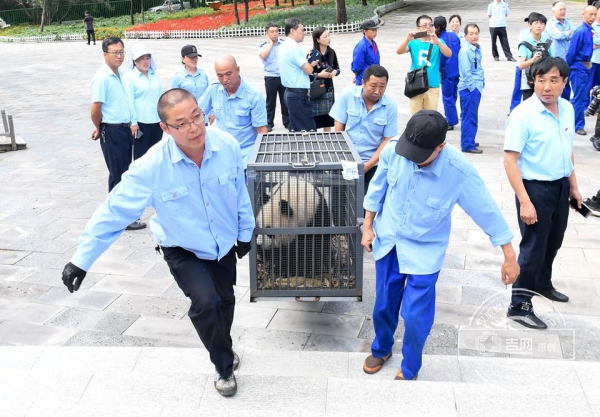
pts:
pixel 424 132
pixel 190 51
pixel 369 24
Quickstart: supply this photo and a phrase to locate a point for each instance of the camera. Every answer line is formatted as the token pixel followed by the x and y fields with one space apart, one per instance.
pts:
pixel 595 103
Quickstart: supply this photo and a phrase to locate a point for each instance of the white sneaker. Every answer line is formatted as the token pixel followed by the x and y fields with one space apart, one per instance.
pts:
pixel 225 386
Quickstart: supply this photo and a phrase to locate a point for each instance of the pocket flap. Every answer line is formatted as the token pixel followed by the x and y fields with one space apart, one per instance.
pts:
pixel 242 112
pixel 438 203
pixel 173 194
pixel 224 178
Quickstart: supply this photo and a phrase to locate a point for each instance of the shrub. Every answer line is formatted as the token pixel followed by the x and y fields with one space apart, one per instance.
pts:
pixel 102 33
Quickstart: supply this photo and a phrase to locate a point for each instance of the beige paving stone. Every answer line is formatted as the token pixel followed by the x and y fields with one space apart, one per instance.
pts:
pixel 302 321
pixel 131 285
pixel 164 329
pixel 25 311
pixel 15 333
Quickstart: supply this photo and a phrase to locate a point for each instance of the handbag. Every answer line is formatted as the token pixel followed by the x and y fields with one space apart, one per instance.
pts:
pixel 416 81
pixel 317 88
pixel 323 105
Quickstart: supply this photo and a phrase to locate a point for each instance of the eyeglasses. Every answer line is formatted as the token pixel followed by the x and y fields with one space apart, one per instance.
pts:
pixel 184 127
pixel 117 53
pixel 426 25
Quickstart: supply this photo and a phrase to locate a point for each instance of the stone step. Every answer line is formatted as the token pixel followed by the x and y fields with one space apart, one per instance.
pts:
pixel 109 381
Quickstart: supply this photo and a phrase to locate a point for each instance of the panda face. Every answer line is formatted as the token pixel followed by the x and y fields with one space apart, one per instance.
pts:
pixel 292 204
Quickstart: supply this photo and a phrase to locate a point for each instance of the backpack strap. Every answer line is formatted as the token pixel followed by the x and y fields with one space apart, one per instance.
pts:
pixel 527 45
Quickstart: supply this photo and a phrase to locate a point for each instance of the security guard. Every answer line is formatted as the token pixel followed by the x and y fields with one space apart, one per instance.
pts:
pixel 368 116
pixel 194 180
pixel 190 77
pixel 238 107
pixel 268 51
pixel 579 59
pixel 295 70
pixel 111 115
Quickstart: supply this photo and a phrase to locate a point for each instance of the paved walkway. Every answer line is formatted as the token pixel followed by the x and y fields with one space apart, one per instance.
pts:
pixel 48 192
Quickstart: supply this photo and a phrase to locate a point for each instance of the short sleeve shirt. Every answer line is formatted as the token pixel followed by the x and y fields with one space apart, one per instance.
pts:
pixel 418 54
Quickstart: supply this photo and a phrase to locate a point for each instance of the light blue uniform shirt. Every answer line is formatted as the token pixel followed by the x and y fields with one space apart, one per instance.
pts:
pixel 524 51
pixel 203 210
pixel 366 130
pixel 557 31
pixel 291 58
pixel 195 84
pixel 498 12
pixel 271 64
pixel 596 53
pixel 238 114
pixel 544 142
pixel 418 54
pixel 414 207
pixel 469 66
pixel 109 90
pixel 143 93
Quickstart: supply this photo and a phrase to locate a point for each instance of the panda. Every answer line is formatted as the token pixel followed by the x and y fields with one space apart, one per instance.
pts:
pixel 294 203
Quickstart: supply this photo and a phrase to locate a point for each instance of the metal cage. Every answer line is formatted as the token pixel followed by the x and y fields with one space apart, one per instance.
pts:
pixel 308 216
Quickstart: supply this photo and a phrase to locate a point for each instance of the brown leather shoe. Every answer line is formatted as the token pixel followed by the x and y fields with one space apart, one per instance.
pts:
pixel 400 376
pixel 373 365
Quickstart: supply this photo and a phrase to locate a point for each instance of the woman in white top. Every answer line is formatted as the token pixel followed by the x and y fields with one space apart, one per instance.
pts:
pixel 143 91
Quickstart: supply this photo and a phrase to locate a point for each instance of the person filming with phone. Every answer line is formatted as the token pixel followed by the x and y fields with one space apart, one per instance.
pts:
pixel 539 163
pixel 425 50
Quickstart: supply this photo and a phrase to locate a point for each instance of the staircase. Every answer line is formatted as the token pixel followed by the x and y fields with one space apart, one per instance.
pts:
pixel 117 381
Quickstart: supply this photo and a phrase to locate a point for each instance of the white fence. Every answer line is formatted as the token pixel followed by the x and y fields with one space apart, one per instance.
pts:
pixel 220 33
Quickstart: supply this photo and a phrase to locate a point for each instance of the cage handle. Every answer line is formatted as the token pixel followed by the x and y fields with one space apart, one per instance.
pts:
pixel 304 164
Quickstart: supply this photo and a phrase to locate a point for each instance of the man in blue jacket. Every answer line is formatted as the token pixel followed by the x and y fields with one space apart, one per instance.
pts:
pixel 579 59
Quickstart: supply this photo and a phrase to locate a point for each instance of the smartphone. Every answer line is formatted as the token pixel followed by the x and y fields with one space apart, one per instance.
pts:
pixel 584 210
pixel 421 35
pixel 329 69
pixel 315 55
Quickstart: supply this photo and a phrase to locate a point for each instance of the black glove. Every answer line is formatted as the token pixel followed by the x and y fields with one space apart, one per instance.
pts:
pixel 242 248
pixel 71 274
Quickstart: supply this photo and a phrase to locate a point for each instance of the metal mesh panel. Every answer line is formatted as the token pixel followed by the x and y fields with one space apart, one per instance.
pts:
pixel 307 239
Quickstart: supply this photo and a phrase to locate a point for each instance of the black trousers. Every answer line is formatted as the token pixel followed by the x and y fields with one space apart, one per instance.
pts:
pixel 152 134
pixel 117 145
pixel 92 34
pixel 209 286
pixel 500 33
pixel 368 177
pixel 273 87
pixel 301 116
pixel 541 241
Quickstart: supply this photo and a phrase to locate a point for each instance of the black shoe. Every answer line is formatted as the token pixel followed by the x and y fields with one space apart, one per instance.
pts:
pixel 511 59
pixel 596 142
pixel 450 127
pixel 527 319
pixel 269 129
pixel 236 361
pixel 496 58
pixel 477 144
pixel 554 295
pixel 225 386
pixel 581 132
pixel 94 43
pixel 136 225
pixel 475 150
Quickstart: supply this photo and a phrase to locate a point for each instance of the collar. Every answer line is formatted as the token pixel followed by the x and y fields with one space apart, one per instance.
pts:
pixel 139 73
pixel 110 72
pixel 437 165
pixel 365 40
pixel 588 26
pixel 238 93
pixel 185 73
pixel 177 154
pixel 472 47
pixel 539 107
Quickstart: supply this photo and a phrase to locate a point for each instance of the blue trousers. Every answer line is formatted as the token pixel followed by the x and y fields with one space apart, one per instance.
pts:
pixel 449 97
pixel 117 147
pixel 541 241
pixel 581 94
pixel 517 94
pixel 415 294
pixel 469 105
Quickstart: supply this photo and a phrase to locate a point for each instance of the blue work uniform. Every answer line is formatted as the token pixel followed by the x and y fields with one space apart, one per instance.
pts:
pixel 578 56
pixel 595 73
pixel 200 212
pixel 412 231
pixel 450 76
pixel 239 114
pixel 557 31
pixel 273 85
pixel 545 146
pixel 116 140
pixel 364 55
pixel 143 94
pixel 195 84
pixel 470 88
pixel 297 86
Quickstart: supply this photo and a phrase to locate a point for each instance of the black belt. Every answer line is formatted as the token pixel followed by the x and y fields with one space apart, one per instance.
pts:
pixel 297 90
pixel 117 124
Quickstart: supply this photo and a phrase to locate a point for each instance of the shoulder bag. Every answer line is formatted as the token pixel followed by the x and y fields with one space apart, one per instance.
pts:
pixel 416 81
